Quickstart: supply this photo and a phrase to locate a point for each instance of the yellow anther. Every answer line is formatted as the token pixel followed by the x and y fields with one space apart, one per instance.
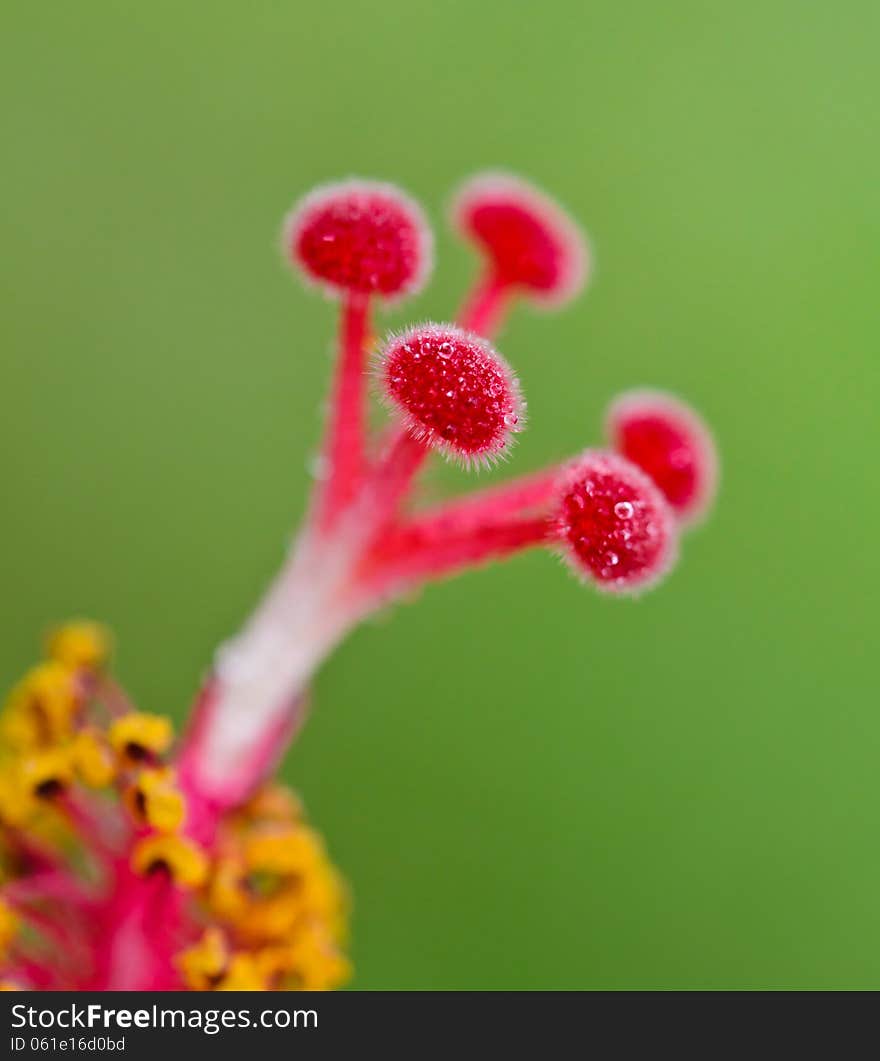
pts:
pixel 204 964
pixel 10 985
pixel 283 851
pixel 92 759
pixel 279 897
pixel 41 709
pixel 309 963
pixel 243 974
pixel 276 961
pixel 155 800
pixel 261 907
pixel 265 892
pixel 226 895
pixel 138 737
pixel 9 924
pixel 182 859
pixel 271 919
pixel 83 645
pixel 46 774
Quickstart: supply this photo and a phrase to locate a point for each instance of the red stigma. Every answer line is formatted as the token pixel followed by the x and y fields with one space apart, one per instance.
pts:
pixel 454 390
pixel 531 243
pixel 667 439
pixel 360 237
pixel 616 524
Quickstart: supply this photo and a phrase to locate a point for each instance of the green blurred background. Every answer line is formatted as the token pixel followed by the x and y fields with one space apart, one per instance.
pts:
pixel 528 785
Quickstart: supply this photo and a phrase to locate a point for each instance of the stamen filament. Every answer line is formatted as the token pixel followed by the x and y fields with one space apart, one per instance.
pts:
pixel 515 497
pixel 486 306
pixel 394 474
pixel 345 447
pixel 405 558
pixel 49 885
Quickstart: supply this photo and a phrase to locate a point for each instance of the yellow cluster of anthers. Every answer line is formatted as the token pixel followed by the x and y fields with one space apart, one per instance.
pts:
pixel 46 741
pixel 67 728
pixel 53 739
pixel 271 907
pixel 278 906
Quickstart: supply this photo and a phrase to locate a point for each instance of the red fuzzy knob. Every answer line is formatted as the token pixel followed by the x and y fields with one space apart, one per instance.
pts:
pixel 454 390
pixel 617 527
pixel 360 237
pixel 669 441
pixel 529 240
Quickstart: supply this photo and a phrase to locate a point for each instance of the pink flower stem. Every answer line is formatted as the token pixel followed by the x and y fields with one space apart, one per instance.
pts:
pixel 255 700
pixel 258 761
pixel 486 305
pixel 345 446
